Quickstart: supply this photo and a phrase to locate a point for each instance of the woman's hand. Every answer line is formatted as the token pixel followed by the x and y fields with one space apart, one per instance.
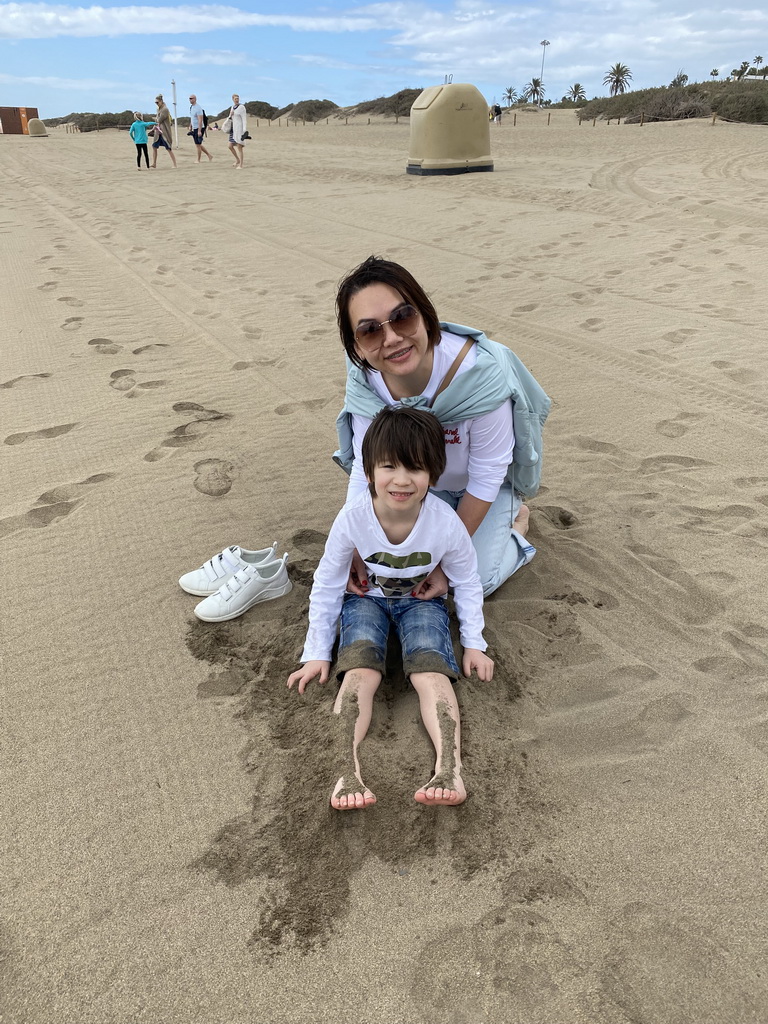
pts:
pixel 307 673
pixel 435 585
pixel 358 576
pixel 478 661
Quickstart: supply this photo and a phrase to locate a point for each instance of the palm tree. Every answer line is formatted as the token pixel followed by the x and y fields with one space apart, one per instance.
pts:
pixel 714 72
pixel 576 92
pixel 758 62
pixel 679 80
pixel 510 95
pixel 743 69
pixel 618 78
pixel 534 90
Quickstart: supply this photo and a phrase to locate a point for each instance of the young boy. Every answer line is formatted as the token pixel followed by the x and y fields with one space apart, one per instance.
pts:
pixel 402 532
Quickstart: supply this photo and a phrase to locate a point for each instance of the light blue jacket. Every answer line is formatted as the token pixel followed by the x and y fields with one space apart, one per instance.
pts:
pixel 497 376
pixel 138 131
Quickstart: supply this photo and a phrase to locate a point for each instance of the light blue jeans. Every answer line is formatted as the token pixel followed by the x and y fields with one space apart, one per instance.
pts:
pixel 501 551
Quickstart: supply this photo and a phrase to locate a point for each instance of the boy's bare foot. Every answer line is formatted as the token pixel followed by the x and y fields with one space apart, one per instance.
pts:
pixel 351 794
pixel 521 523
pixel 442 791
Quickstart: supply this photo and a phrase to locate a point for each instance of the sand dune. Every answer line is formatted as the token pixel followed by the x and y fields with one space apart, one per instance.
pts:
pixel 171 375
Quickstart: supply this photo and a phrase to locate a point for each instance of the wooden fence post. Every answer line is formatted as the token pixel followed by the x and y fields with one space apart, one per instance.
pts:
pixel 642 118
pixel 549 116
pixel 594 121
pixel 714 116
pixel 514 120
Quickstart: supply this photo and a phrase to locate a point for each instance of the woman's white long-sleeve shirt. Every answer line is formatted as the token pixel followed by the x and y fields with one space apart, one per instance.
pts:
pixel 478 451
pixel 394 570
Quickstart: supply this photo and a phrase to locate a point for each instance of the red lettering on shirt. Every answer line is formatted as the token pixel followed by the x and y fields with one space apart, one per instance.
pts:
pixel 451 435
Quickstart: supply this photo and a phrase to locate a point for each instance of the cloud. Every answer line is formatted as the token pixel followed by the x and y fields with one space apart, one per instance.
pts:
pixel 182 56
pixel 47 21
pixel 317 60
pixel 51 82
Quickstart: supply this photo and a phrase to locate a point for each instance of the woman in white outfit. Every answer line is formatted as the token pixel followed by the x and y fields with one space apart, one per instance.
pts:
pixel 237 116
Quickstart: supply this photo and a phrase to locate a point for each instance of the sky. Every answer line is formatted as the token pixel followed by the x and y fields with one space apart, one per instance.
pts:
pixel 62 58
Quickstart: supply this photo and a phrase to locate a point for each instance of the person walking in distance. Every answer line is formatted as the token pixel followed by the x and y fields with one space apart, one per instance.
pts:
pixel 163 136
pixel 197 127
pixel 237 120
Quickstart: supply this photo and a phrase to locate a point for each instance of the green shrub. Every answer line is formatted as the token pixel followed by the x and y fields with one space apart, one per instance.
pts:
pixel 748 103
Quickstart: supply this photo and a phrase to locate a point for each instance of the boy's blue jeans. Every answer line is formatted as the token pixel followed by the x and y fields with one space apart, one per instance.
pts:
pixel 422 627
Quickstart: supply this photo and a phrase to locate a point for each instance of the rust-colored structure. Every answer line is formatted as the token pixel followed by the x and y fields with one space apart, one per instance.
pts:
pixel 14 120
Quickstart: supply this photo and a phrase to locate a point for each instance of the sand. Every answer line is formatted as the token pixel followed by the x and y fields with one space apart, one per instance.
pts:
pixel 171 376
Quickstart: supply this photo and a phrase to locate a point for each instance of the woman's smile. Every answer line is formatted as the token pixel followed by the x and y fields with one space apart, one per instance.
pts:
pixel 405 360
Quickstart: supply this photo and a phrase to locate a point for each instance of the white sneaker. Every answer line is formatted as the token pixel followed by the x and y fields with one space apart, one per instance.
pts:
pixel 246 588
pixel 222 567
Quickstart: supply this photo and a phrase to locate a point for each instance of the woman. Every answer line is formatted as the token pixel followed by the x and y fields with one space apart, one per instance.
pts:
pixel 491 408
pixel 237 117
pixel 163 136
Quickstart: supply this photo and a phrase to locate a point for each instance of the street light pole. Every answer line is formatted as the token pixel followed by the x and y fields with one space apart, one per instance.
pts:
pixel 544 44
pixel 175 122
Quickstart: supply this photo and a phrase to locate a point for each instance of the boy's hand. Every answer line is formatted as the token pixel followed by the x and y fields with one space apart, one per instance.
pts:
pixel 307 673
pixel 435 585
pixel 478 661
pixel 358 576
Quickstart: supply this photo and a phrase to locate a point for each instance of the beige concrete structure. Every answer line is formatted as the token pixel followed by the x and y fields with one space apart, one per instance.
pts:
pixel 36 127
pixel 450 131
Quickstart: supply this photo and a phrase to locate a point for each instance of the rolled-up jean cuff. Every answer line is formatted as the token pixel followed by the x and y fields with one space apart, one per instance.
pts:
pixel 359 654
pixel 428 661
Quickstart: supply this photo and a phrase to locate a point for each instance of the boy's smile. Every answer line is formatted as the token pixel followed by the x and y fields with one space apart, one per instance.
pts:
pixel 399 489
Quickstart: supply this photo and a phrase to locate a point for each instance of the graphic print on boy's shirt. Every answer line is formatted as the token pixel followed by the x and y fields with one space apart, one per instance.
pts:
pixel 397 586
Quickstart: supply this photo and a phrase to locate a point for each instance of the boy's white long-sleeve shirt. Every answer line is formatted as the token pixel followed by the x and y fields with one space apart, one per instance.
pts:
pixel 394 570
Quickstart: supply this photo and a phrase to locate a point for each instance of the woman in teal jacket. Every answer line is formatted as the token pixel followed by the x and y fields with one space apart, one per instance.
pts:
pixel 491 407
pixel 138 133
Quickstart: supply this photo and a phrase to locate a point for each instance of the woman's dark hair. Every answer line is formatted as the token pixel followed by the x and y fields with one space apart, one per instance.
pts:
pixel 376 270
pixel 407 437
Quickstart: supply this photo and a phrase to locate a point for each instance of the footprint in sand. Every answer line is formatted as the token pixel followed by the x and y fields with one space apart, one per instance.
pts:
pixel 105 347
pixel 214 477
pixel 72 323
pixel 527 308
pixel 737 374
pixel 560 518
pixel 645 981
pixel 187 433
pixel 678 426
pixel 717 520
pixel 148 348
pixel 70 300
pixel 46 432
pixel 312 405
pixel 47 286
pixel 52 505
pixel 122 380
pixel 589 444
pixel 241 366
pixel 25 377
pixel 665 463
pixel 679 336
pixel 593 324
pixel 306 547
pixel 252 332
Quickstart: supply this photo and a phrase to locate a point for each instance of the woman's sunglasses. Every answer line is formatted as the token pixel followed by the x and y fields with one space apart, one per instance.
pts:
pixel 404 321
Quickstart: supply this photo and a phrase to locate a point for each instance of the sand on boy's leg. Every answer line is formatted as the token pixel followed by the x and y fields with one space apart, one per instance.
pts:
pixel 440 714
pixel 353 710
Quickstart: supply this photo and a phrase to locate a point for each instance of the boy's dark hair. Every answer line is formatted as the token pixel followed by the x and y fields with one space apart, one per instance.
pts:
pixel 377 270
pixel 407 437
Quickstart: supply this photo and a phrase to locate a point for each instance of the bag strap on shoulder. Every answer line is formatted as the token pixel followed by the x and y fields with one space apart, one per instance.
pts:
pixel 453 369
